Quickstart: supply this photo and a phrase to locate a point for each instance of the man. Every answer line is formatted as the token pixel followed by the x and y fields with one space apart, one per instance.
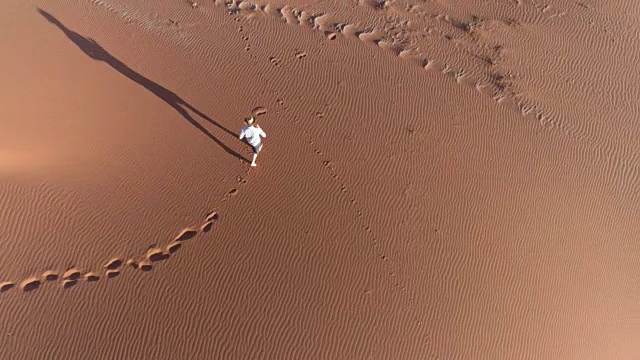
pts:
pixel 253 132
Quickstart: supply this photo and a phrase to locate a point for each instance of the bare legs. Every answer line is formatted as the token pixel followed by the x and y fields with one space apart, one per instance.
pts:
pixel 255 155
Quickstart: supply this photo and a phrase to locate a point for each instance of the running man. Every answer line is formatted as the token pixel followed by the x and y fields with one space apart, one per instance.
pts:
pixel 253 132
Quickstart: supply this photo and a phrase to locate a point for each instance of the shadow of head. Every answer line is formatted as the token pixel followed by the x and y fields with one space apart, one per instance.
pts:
pixel 86 44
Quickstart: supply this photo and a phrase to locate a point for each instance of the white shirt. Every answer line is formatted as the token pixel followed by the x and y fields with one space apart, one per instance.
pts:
pixel 252 134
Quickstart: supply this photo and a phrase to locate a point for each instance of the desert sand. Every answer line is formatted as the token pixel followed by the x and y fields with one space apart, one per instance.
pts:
pixel 440 179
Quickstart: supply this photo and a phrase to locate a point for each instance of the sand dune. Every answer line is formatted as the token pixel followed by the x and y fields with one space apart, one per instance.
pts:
pixel 439 181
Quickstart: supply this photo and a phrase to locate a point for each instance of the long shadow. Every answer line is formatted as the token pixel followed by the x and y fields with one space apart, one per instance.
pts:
pixel 97 52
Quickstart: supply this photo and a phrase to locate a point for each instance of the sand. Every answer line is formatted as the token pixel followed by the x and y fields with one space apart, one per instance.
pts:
pixel 440 180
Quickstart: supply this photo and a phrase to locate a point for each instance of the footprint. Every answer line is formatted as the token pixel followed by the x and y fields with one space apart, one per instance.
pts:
pixel 233 192
pixel 391 47
pixel 274 61
pixel 91 277
pixel 112 273
pixel 289 15
pixel 213 215
pixel 319 114
pixel 330 35
pixel 71 274
pixel 271 10
pixel 351 30
pixel 155 254
pixel 30 284
pixel 245 5
pixel 173 247
pixel 259 110
pixel 186 234
pixel 301 55
pixel 241 180
pixel 173 23
pixel 374 4
pixel 145 265
pixel 50 275
pixel 113 264
pixel 373 36
pixel 306 18
pixel 134 264
pixel 207 226
pixel 6 286
pixel 69 283
pixel 435 65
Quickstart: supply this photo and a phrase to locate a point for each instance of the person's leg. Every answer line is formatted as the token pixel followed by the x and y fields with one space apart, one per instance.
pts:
pixel 256 150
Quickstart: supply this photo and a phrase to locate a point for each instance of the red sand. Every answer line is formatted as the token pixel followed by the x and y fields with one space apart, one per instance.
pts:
pixel 439 181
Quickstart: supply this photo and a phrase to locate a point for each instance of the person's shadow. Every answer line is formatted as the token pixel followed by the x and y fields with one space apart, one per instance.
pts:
pixel 97 52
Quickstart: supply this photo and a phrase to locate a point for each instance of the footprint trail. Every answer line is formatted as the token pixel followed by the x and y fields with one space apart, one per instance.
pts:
pixel 113 267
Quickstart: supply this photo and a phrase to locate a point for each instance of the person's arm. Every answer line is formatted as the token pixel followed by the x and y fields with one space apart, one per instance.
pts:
pixel 261 131
pixel 242 134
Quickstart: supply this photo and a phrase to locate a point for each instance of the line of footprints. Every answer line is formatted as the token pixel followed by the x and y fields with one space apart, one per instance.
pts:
pixel 113 267
pixel 366 226
pixel 496 85
pixel 330 166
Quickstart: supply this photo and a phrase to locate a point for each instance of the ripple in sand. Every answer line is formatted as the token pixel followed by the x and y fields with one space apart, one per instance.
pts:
pixel 113 264
pixel 50 275
pixel 30 284
pixel 6 286
pixel 186 234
